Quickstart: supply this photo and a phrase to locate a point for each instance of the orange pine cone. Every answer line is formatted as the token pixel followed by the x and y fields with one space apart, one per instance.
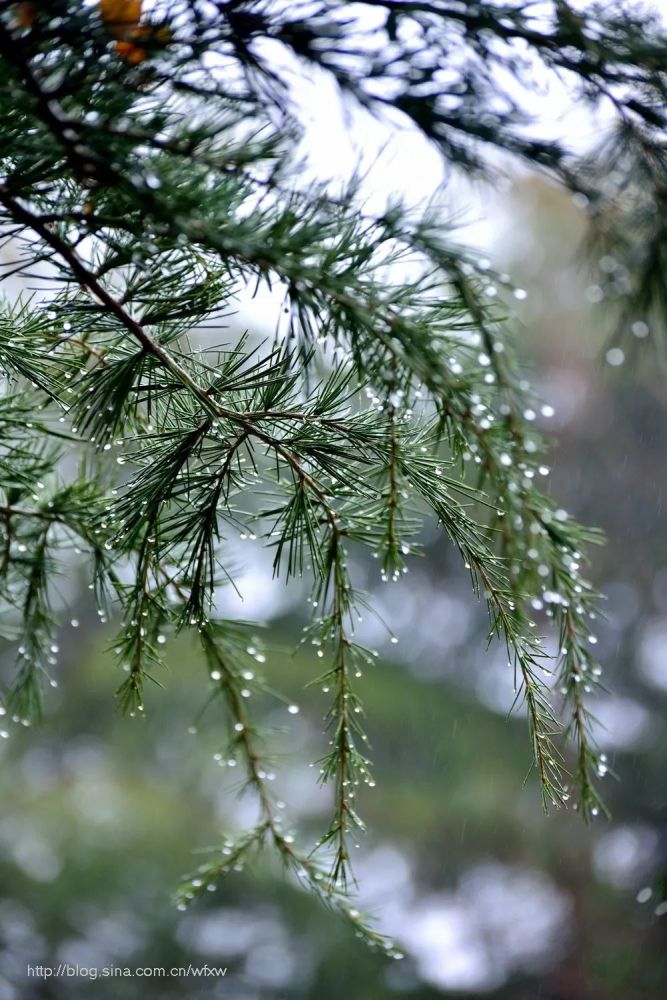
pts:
pixel 121 17
pixel 130 53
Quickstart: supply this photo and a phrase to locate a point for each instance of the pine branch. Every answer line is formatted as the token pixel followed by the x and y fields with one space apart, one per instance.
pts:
pixel 145 191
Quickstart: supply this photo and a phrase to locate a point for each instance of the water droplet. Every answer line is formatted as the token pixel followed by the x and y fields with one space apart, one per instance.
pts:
pixel 615 356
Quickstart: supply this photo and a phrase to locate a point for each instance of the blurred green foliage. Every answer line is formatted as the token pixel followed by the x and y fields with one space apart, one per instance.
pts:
pixel 119 802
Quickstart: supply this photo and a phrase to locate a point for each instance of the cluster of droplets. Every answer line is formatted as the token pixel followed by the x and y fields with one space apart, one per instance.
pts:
pixel 207 875
pixel 16 719
pixel 645 894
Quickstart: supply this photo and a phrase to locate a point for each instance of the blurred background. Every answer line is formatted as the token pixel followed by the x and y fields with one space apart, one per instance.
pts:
pixel 486 896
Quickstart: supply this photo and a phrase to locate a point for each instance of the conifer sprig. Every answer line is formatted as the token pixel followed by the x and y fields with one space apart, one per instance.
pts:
pixel 145 191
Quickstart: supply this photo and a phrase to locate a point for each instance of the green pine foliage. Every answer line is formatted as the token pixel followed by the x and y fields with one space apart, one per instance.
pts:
pixel 145 187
